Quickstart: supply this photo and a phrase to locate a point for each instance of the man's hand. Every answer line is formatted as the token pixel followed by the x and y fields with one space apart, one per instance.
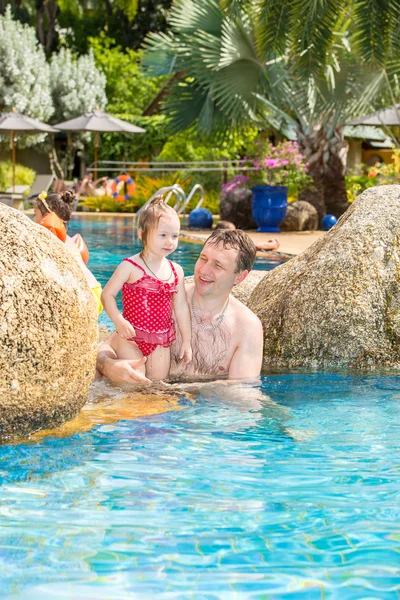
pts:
pixel 121 370
pixel 185 355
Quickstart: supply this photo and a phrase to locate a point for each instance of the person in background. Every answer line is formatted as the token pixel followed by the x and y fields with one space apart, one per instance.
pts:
pixel 53 211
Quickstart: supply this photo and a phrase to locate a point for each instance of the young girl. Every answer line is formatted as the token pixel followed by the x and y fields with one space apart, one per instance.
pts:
pixel 151 285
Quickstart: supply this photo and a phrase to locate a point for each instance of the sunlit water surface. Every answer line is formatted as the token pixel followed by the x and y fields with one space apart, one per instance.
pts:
pixel 222 499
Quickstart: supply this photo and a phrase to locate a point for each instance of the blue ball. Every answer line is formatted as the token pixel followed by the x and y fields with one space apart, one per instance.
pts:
pixel 328 221
pixel 201 218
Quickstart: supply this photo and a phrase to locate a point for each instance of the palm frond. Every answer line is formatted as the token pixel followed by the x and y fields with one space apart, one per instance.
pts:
pixel 160 54
pixel 188 16
pixel 272 27
pixel 374 24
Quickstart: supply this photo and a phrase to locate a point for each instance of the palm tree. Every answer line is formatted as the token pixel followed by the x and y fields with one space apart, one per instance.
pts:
pixel 305 71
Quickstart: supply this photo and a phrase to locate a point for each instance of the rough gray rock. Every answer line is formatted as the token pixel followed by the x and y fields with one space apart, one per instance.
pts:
pixel 300 216
pixel 338 303
pixel 235 207
pixel 48 328
pixel 244 290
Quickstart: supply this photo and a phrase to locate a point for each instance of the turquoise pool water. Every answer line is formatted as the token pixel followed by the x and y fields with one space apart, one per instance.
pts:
pixel 288 489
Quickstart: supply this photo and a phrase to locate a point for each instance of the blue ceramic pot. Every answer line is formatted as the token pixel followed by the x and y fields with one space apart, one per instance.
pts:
pixel 268 206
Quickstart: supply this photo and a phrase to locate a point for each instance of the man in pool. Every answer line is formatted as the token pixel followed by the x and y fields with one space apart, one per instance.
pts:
pixel 227 338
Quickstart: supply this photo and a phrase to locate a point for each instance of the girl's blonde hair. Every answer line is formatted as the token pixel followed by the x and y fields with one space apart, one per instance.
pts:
pixel 150 216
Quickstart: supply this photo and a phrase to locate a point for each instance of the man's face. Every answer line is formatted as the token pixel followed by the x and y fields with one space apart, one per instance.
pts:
pixel 215 270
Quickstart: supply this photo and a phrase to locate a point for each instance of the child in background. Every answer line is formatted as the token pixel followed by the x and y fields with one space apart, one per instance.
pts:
pixel 53 211
pixel 151 285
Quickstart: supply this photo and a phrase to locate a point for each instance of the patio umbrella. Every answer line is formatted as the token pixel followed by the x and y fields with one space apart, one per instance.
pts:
pixel 96 122
pixel 14 123
pixel 386 116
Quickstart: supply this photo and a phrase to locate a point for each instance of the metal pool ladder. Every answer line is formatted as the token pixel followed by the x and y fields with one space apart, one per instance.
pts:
pixel 197 187
pixel 170 191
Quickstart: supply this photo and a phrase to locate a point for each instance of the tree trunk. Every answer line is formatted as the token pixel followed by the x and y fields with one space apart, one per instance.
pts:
pixel 326 159
pixel 311 146
pixel 334 183
pixel 51 13
pixel 40 23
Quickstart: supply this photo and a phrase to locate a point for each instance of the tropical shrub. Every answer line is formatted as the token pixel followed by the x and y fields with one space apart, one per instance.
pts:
pixel 24 75
pixel 102 204
pixel 77 85
pixel 356 184
pixel 23 175
pixel 145 187
pixel 282 164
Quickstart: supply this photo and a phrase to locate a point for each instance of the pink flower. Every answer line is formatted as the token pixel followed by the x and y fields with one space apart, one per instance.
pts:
pixel 271 162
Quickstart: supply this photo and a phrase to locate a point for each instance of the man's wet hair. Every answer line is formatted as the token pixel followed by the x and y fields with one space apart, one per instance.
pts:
pixel 238 240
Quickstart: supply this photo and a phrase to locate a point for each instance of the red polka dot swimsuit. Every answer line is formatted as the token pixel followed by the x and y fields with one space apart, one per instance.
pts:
pixel 147 305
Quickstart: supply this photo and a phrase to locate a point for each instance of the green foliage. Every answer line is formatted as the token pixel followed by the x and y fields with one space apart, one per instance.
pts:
pixel 379 174
pixel 127 90
pixel 103 204
pixel 140 146
pixel 23 175
pixel 189 147
pixel 356 184
pixel 128 21
pixel 145 187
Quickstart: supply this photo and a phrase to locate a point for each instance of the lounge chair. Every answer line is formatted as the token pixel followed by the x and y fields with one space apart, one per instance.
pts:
pixel 16 199
pixel 41 183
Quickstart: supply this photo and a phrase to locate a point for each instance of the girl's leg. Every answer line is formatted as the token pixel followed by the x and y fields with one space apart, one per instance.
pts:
pixel 130 351
pixel 157 365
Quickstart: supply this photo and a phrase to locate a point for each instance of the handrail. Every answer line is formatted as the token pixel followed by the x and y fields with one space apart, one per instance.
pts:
pixel 192 192
pixel 172 190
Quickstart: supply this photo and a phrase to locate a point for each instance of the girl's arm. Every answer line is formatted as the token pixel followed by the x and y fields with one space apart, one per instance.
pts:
pixel 108 298
pixel 182 315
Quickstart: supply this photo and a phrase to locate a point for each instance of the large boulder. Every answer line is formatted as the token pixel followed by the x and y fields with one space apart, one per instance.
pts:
pixel 48 328
pixel 300 216
pixel 235 206
pixel 338 303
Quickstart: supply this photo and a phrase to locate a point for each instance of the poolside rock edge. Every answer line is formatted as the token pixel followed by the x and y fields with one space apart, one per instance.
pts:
pixel 338 303
pixel 48 328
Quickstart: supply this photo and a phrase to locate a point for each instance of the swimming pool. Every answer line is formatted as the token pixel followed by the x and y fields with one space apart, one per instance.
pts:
pixel 214 499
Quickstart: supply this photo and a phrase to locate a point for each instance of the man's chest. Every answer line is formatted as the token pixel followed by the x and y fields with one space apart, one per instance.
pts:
pixel 212 353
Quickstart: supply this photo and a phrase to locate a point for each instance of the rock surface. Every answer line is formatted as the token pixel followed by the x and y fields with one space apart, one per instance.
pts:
pixel 338 303
pixel 48 328
pixel 300 216
pixel 235 206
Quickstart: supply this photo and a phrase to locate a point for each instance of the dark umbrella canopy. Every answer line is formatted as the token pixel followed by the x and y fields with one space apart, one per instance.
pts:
pixel 14 122
pixel 96 122
pixel 386 116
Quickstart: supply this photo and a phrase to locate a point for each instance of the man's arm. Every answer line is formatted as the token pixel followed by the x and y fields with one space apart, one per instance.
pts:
pixel 247 359
pixel 117 369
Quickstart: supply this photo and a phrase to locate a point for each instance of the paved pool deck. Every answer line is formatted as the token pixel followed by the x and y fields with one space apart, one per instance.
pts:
pixel 290 243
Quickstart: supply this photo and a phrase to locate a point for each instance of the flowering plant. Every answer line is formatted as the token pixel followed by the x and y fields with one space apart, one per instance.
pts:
pixel 282 164
pixel 386 173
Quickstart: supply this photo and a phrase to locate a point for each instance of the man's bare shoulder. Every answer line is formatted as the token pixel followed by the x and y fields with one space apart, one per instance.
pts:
pixel 245 316
pixel 189 287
